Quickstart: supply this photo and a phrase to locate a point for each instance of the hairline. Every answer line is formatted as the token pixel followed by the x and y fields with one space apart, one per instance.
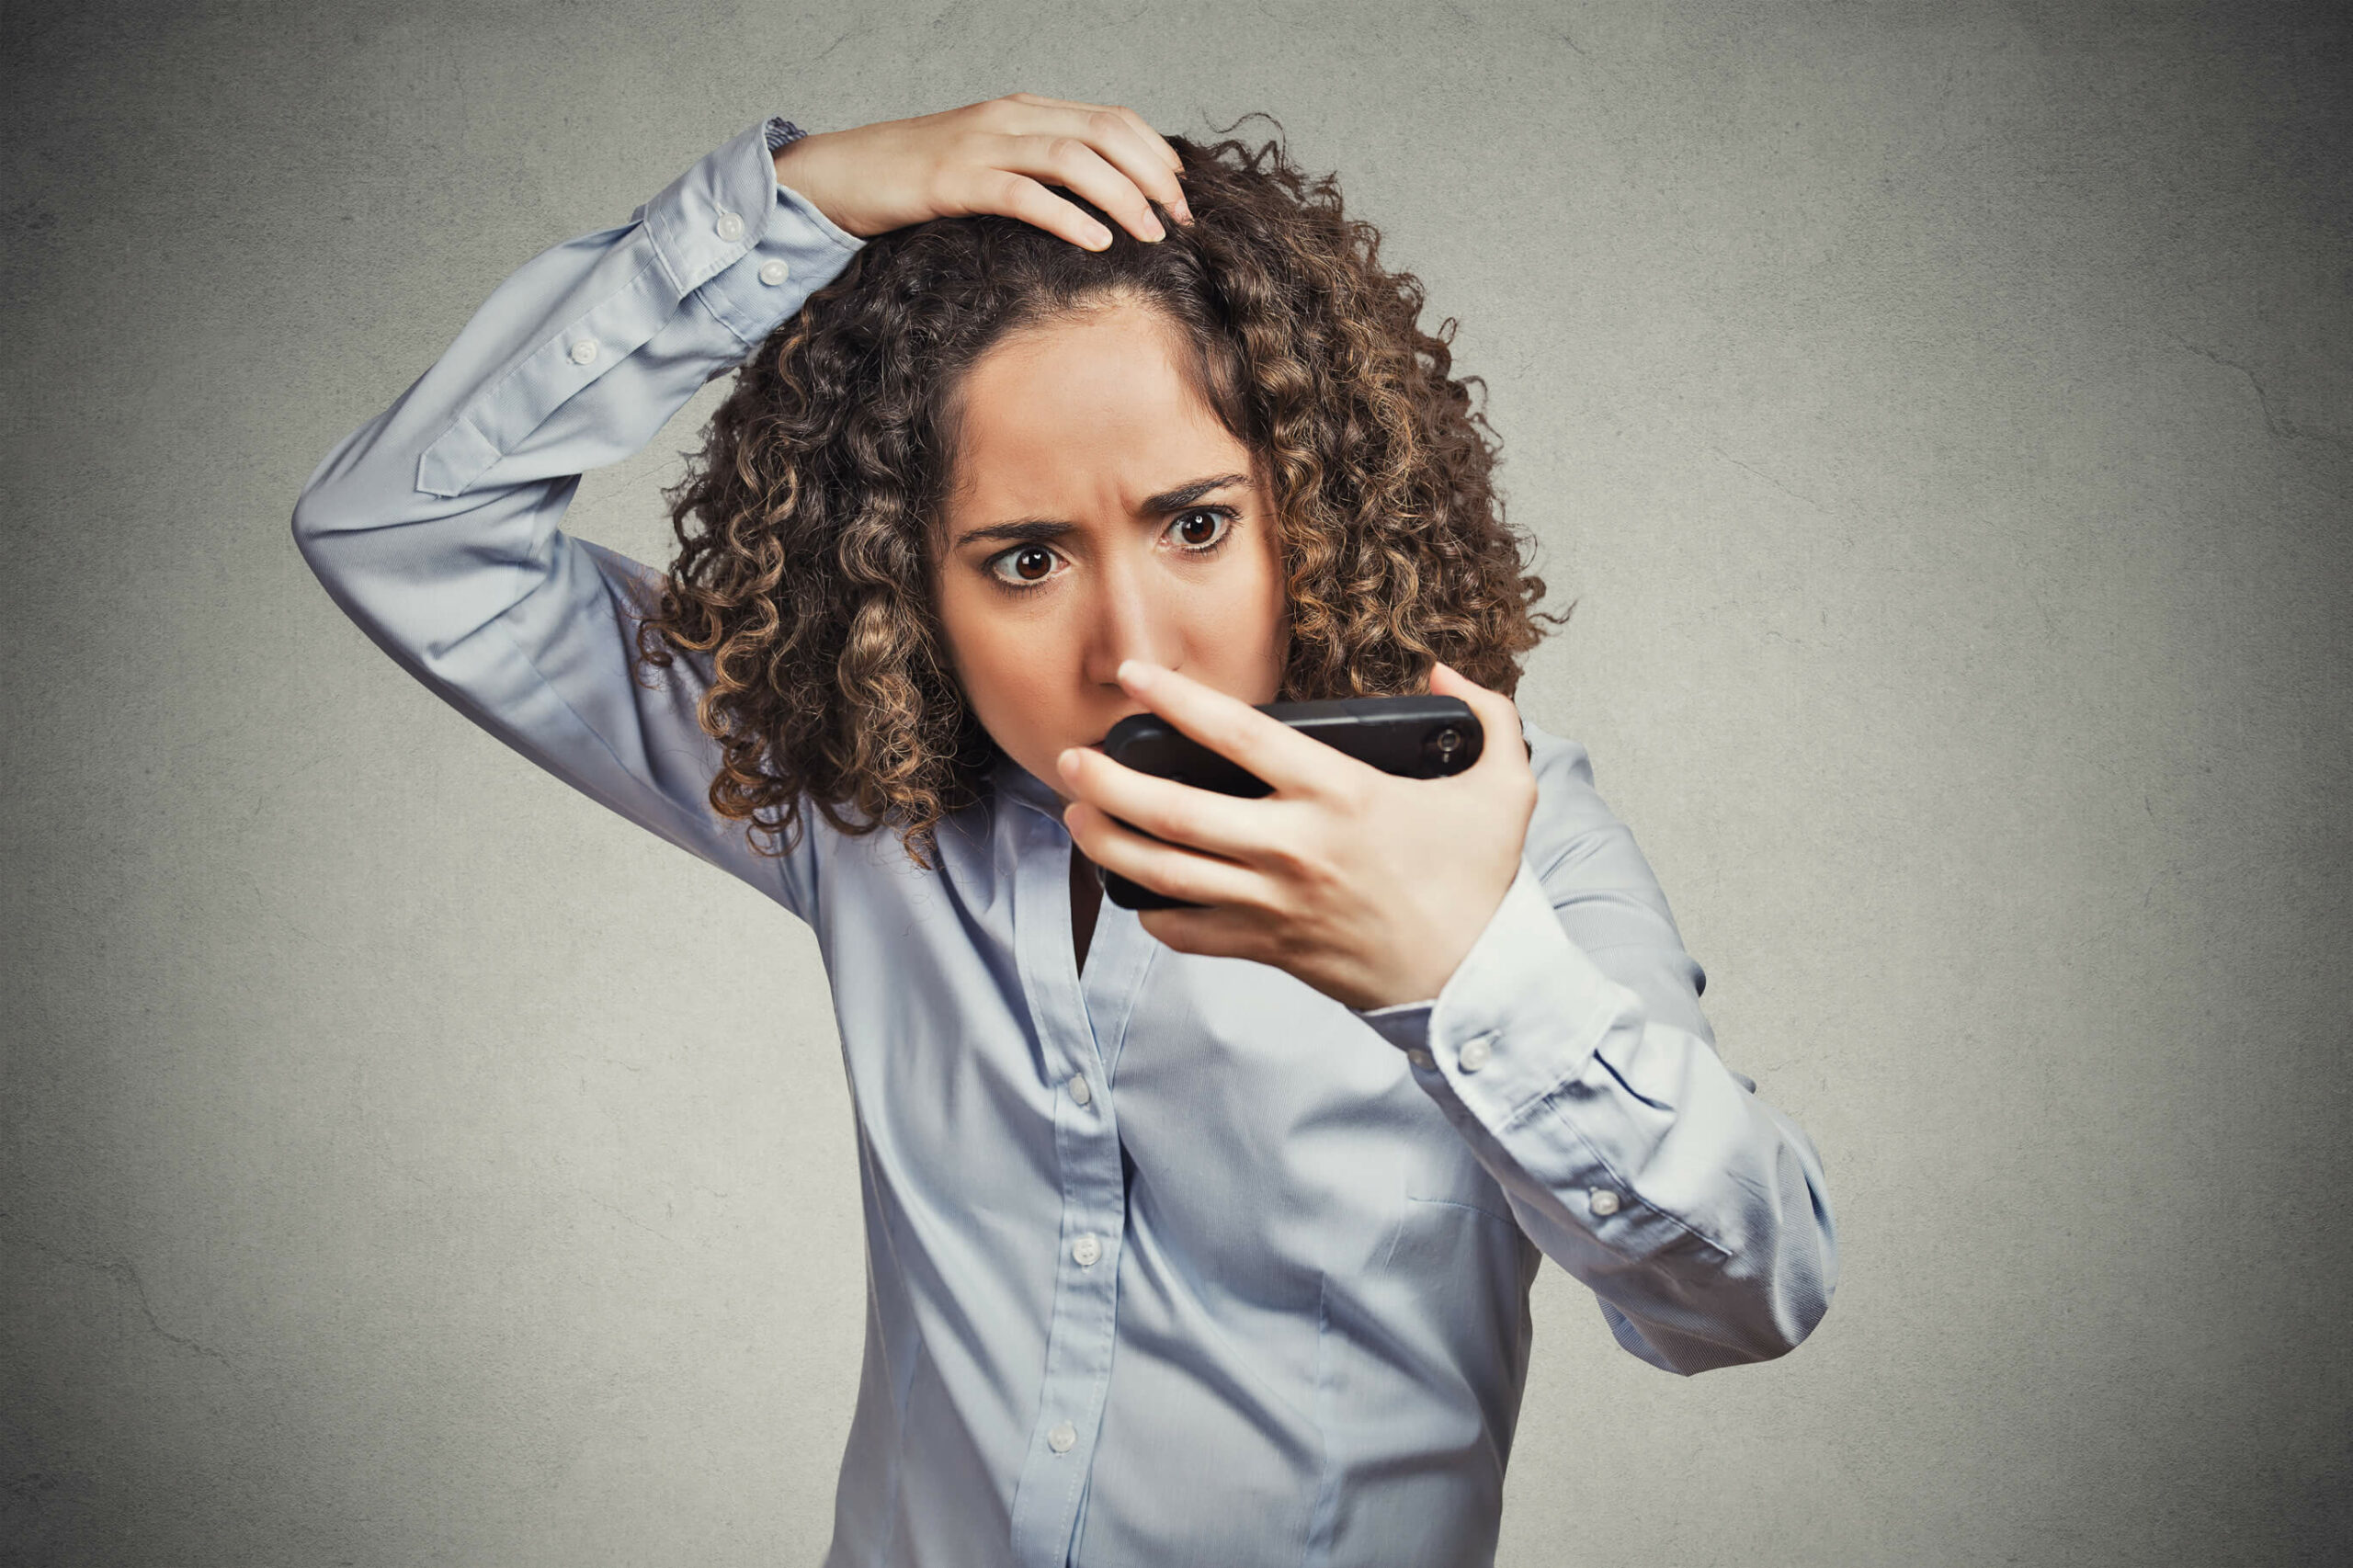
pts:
pixel 1192 357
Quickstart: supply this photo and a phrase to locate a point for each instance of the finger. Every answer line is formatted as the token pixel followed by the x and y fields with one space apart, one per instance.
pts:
pixel 1498 716
pixel 1210 933
pixel 1167 869
pixel 1018 196
pixel 1201 819
pixel 1073 163
pixel 1151 138
pixel 1123 140
pixel 1142 156
pixel 1286 759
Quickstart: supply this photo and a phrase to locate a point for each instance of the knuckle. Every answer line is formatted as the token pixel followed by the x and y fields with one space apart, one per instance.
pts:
pixel 1006 191
pixel 1282 943
pixel 1178 822
pixel 1285 861
pixel 1177 880
pixel 1300 863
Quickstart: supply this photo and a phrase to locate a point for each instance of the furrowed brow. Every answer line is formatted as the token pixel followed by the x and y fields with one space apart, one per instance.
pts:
pixel 1044 530
pixel 1026 530
pixel 1185 494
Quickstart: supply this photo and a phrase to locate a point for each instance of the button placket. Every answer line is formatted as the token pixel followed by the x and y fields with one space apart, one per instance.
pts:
pixel 1082 1328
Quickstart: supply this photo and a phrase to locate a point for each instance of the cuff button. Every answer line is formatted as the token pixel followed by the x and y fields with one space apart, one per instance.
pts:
pixel 1475 1055
pixel 774 272
pixel 729 227
pixel 584 352
pixel 1603 1201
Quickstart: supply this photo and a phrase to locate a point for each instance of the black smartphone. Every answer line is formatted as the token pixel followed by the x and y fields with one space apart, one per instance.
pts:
pixel 1414 737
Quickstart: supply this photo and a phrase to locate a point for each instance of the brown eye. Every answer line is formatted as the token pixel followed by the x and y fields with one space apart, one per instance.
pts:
pixel 1198 530
pixel 1023 565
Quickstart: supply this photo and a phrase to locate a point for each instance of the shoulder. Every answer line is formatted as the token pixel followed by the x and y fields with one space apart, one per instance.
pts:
pixel 1585 857
pixel 1569 809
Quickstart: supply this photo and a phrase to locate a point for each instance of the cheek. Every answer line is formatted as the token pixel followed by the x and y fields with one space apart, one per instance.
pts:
pixel 1246 627
pixel 976 641
pixel 1003 661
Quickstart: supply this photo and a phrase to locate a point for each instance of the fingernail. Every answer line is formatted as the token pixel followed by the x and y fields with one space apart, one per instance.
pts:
pixel 1184 213
pixel 1157 232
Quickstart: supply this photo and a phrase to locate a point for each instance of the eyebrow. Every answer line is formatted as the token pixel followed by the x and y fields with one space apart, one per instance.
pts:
pixel 1035 531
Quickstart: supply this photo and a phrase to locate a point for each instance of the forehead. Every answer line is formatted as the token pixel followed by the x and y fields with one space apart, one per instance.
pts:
pixel 1081 407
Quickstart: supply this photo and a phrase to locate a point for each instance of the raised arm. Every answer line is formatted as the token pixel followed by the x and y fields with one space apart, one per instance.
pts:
pixel 435 525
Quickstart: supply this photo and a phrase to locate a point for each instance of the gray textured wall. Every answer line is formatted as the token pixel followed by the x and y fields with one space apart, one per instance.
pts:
pixel 1940 412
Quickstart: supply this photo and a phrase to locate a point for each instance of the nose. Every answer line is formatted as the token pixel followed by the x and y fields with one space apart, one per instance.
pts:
pixel 1127 620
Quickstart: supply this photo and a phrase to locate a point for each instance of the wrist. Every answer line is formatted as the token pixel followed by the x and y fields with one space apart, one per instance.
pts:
pixel 799 164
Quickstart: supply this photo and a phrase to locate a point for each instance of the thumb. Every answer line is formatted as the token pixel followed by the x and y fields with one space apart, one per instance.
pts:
pixel 1498 717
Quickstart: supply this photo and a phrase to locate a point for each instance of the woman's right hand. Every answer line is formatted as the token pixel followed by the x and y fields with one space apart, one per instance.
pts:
pixel 997 156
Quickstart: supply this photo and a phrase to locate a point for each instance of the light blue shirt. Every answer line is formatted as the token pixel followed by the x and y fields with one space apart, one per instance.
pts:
pixel 1171 1259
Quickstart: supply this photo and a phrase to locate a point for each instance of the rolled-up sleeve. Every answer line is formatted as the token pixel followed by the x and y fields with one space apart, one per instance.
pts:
pixel 435 525
pixel 1569 1049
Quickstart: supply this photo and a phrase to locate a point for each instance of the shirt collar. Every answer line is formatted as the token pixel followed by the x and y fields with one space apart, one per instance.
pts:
pixel 1016 782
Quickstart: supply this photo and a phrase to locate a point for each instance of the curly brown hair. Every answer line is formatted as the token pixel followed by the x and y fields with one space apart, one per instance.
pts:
pixel 806 526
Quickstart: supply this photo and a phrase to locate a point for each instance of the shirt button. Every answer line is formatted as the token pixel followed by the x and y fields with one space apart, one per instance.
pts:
pixel 729 227
pixel 1475 1055
pixel 584 352
pixel 1418 1057
pixel 774 272
pixel 1079 1091
pixel 1086 1249
pixel 1061 1438
pixel 1604 1202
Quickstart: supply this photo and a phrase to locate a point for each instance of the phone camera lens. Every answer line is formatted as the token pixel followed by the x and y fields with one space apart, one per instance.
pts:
pixel 1444 749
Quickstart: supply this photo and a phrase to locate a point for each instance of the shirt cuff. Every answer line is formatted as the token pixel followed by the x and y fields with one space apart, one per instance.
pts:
pixel 1523 1011
pixel 1520 1013
pixel 1405 1024
pixel 726 228
pixel 1509 1051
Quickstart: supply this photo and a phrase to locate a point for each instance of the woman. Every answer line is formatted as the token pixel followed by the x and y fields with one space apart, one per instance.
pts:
pixel 1202 1236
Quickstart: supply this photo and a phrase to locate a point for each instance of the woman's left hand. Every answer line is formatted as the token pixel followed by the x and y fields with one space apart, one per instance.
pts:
pixel 1369 887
